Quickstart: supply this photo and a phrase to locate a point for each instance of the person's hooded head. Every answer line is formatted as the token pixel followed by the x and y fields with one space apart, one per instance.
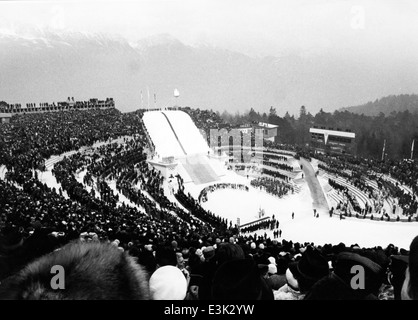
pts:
pixel 240 279
pixel 352 264
pixel 165 256
pixel 309 268
pixel 410 285
pixel 229 251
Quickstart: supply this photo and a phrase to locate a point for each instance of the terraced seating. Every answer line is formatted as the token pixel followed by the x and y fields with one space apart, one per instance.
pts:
pixel 362 199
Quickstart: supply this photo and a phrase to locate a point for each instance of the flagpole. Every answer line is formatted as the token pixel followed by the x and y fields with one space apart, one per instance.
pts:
pixel 148 96
pixel 142 101
pixel 383 151
pixel 412 149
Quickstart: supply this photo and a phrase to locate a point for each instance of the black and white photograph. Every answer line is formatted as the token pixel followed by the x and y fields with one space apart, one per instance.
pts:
pixel 216 153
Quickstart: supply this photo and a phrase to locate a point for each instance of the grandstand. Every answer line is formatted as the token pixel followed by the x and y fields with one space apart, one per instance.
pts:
pixel 95 176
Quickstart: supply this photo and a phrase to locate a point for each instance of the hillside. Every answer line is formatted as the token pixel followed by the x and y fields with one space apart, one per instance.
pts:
pixel 387 105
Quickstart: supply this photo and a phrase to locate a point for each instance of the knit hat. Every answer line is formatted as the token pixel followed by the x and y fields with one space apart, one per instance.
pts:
pixel 168 283
pixel 272 260
pixel 272 269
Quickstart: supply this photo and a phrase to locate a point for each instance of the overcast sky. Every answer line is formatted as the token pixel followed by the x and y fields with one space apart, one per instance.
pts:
pixel 256 27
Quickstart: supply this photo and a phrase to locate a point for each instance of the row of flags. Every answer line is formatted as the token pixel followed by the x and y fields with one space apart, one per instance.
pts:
pixel 176 95
pixel 412 149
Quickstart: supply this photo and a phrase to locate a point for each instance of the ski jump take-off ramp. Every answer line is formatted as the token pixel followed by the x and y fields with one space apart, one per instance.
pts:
pixel 174 134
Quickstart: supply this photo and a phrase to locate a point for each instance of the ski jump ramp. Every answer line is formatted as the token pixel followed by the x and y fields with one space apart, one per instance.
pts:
pixel 174 134
pixel 199 169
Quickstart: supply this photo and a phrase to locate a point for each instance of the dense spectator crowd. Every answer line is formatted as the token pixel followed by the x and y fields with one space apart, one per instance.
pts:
pixel 275 174
pixel 360 171
pixel 262 269
pixel 203 195
pixel 264 223
pixel 272 186
pixel 281 166
pixel 192 245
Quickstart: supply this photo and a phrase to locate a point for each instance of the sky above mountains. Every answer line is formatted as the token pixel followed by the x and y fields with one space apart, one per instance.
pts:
pixel 266 27
pixel 345 52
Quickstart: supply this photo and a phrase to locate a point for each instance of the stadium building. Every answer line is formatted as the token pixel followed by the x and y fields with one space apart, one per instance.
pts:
pixel 329 140
pixel 7 110
pixel 268 130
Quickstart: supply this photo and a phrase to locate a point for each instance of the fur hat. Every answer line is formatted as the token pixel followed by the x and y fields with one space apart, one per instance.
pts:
pixel 92 271
pixel 168 283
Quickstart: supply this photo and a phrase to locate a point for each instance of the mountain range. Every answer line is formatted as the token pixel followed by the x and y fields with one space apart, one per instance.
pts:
pixel 51 67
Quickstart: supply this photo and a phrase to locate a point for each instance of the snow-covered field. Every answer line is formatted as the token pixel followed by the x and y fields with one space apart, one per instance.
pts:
pixel 232 204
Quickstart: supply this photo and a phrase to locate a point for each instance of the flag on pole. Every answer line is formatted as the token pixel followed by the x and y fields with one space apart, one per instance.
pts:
pixel 155 98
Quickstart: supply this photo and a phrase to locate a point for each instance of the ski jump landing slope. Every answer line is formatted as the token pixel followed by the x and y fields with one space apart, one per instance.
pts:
pixel 187 132
pixel 165 142
pixel 175 134
pixel 199 169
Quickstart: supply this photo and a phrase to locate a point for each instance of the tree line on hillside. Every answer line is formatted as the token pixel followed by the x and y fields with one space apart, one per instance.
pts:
pixel 398 129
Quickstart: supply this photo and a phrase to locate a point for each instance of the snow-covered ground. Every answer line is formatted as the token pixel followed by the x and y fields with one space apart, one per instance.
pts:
pixel 232 204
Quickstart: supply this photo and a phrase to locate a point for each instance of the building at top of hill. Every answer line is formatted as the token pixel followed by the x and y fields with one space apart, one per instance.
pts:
pixel 69 104
pixel 331 140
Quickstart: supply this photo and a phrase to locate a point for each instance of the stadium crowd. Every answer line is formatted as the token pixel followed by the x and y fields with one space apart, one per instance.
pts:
pixel 360 172
pixel 272 186
pixel 110 215
pixel 203 195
